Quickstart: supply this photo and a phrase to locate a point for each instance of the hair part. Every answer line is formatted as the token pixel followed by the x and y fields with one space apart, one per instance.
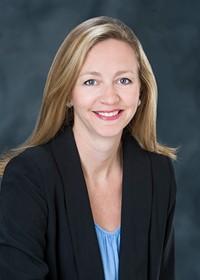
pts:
pixel 62 76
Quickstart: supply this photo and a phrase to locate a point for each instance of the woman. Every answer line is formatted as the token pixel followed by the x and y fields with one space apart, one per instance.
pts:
pixel 91 194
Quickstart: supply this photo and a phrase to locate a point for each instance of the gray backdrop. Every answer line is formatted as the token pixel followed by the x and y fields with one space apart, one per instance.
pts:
pixel 30 33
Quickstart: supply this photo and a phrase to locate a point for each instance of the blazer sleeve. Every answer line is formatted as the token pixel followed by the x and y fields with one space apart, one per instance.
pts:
pixel 167 271
pixel 23 222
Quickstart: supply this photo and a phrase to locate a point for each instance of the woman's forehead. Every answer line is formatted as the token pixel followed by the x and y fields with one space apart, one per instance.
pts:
pixel 110 53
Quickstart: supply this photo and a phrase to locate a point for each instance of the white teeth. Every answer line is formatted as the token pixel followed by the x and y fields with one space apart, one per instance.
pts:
pixel 108 114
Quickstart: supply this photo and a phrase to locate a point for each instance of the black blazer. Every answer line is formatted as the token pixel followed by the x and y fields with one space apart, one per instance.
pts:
pixel 46 224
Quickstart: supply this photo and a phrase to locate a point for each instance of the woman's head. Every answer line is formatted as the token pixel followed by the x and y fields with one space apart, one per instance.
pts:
pixel 106 94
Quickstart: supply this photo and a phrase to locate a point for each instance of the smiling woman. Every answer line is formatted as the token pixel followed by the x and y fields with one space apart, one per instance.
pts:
pixel 91 194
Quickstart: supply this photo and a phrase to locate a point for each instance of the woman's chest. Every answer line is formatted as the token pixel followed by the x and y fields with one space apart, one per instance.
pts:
pixel 105 205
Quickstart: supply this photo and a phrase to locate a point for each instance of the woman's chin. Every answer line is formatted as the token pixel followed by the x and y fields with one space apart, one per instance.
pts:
pixel 109 132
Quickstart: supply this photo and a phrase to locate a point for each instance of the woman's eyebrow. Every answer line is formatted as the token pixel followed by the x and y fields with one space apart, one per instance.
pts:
pixel 124 72
pixel 95 73
pixel 90 73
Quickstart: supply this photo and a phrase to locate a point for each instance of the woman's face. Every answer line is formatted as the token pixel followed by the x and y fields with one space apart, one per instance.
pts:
pixel 106 94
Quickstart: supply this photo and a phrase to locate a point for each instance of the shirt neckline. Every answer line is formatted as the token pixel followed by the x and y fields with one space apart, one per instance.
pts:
pixel 115 231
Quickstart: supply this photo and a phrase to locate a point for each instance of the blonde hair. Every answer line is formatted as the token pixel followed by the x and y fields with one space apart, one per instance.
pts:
pixel 64 72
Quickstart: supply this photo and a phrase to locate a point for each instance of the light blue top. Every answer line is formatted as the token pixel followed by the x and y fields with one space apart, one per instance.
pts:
pixel 109 244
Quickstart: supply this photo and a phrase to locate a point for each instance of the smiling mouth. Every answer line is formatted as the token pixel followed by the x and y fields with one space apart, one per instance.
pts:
pixel 108 115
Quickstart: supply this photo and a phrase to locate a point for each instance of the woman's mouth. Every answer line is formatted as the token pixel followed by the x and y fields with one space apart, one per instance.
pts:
pixel 108 115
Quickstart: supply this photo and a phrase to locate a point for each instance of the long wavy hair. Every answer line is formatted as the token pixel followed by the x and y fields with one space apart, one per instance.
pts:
pixel 62 77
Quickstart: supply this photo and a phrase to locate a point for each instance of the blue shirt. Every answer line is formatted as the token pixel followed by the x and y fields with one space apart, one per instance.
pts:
pixel 109 244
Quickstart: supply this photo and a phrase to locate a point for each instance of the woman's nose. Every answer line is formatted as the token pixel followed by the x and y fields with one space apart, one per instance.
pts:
pixel 110 95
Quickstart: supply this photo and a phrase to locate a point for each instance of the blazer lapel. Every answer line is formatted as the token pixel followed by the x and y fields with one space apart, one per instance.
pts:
pixel 135 212
pixel 85 243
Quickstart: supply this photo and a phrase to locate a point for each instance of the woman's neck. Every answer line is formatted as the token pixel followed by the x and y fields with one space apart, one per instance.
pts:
pixel 99 158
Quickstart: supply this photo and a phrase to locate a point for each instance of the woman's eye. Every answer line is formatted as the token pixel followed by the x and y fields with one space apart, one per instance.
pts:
pixel 90 82
pixel 125 81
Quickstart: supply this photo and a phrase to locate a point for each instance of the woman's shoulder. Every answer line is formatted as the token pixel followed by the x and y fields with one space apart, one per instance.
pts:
pixel 161 163
pixel 32 155
pixel 32 164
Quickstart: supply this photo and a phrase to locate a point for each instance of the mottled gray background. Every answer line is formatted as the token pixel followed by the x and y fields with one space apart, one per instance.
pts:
pixel 30 33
